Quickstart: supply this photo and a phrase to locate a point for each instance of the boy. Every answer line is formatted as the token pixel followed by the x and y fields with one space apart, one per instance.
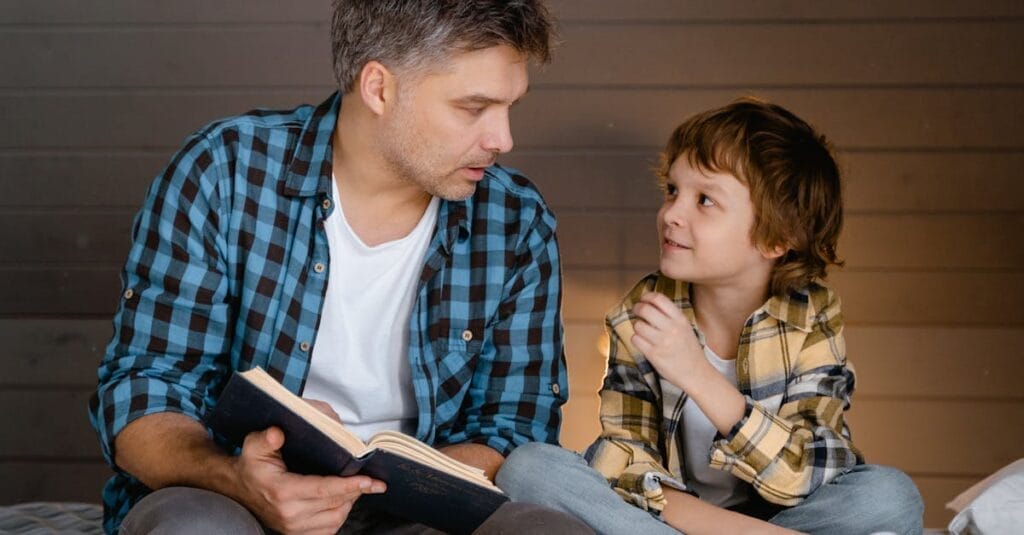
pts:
pixel 727 380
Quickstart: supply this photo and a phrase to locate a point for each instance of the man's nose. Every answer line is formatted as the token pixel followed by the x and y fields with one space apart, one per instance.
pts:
pixel 498 137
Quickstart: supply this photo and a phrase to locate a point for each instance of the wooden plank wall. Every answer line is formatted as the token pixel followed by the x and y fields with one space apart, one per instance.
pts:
pixel 923 98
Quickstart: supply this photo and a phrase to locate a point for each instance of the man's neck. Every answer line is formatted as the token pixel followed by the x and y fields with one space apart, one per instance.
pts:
pixel 378 206
pixel 722 311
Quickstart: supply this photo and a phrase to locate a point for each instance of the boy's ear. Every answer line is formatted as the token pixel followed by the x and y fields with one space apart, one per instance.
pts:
pixel 376 86
pixel 774 252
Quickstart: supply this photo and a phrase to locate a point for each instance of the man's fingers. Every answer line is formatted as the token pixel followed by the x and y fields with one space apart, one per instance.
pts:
pixel 323 407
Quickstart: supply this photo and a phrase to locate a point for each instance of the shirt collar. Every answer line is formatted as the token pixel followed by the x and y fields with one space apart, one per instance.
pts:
pixel 309 172
pixel 793 309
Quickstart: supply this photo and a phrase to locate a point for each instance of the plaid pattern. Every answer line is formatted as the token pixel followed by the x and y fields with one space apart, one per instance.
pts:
pixel 791 367
pixel 228 270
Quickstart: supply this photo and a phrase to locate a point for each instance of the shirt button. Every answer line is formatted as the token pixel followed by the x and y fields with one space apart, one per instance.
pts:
pixel 326 204
pixel 467 335
pixel 318 267
pixel 555 389
pixel 129 293
pixel 304 346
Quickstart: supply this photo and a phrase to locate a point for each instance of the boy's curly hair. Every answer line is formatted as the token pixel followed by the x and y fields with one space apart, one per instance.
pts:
pixel 791 174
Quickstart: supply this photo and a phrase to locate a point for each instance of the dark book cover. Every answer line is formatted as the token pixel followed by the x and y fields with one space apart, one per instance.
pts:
pixel 416 492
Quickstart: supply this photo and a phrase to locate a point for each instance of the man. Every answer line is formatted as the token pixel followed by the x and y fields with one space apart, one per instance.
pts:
pixel 368 253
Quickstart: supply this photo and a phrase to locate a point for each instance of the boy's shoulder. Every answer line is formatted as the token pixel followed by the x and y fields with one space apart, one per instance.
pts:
pixel 804 307
pixel 800 307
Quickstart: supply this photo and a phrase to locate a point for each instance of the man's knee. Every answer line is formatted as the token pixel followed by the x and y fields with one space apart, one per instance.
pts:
pixel 189 510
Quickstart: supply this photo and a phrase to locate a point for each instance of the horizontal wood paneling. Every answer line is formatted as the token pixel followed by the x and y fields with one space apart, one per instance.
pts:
pixel 909 298
pixel 745 55
pixel 121 12
pixel 589 293
pixel 53 353
pixel 878 242
pixel 870 297
pixel 930 362
pixel 948 437
pixel 70 481
pixel 936 119
pixel 599 239
pixel 570 179
pixel 937 491
pixel 66 433
pixel 789 54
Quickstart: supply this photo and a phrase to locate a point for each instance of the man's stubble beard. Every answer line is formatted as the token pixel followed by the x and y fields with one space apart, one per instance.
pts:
pixel 411 159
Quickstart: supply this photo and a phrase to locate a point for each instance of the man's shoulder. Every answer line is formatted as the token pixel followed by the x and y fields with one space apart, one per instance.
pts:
pixel 256 125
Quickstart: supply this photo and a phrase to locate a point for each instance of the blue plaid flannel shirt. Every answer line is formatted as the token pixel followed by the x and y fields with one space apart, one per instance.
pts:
pixel 223 275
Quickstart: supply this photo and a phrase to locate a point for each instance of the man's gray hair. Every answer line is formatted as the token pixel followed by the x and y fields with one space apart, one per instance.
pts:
pixel 420 34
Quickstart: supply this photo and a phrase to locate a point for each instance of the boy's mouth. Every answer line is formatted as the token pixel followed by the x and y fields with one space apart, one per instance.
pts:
pixel 671 243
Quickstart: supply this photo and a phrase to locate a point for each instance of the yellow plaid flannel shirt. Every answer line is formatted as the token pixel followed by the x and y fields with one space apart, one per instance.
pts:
pixel 791 367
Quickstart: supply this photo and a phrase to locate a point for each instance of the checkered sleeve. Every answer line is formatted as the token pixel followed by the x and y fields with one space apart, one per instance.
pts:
pixel 788 455
pixel 170 344
pixel 520 382
pixel 627 452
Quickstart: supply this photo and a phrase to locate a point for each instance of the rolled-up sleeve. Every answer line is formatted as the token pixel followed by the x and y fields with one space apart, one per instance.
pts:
pixel 170 343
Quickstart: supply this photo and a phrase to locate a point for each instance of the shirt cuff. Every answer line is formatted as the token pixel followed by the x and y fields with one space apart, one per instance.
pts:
pixel 641 485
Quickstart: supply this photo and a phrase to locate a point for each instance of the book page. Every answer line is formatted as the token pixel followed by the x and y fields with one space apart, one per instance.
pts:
pixel 329 426
pixel 413 449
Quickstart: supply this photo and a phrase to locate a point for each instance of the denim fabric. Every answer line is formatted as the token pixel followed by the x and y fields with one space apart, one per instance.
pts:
pixel 864 499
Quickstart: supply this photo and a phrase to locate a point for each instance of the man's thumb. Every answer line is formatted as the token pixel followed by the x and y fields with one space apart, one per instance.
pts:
pixel 265 442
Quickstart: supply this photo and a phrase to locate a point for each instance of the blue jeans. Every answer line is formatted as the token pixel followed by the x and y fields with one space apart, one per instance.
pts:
pixel 865 499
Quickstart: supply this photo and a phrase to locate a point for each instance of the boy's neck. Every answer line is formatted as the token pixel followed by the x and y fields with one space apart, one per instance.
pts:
pixel 722 311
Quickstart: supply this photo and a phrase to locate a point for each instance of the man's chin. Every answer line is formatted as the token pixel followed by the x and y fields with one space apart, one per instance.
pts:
pixel 455 193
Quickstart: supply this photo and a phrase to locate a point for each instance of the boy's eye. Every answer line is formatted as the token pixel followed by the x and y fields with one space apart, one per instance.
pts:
pixel 705 200
pixel 669 189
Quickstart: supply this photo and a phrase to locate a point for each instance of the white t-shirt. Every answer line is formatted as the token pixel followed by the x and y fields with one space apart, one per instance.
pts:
pixel 360 361
pixel 714 486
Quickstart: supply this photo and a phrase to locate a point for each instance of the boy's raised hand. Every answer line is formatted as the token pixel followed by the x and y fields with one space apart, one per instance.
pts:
pixel 666 337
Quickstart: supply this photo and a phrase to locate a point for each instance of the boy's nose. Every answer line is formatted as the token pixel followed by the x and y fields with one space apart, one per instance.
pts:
pixel 675 214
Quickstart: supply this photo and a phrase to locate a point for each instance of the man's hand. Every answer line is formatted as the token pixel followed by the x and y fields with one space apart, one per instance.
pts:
pixel 665 336
pixel 292 503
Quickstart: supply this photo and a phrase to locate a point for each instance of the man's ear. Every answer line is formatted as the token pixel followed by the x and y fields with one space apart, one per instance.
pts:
pixel 376 86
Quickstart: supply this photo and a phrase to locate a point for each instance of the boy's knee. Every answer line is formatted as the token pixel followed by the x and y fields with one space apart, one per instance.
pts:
pixel 893 499
pixel 528 469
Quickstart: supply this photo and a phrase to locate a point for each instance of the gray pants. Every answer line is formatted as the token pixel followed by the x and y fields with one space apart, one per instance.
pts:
pixel 177 510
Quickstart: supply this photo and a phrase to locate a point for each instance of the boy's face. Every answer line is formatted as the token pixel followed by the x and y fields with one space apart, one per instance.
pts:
pixel 705 227
pixel 450 124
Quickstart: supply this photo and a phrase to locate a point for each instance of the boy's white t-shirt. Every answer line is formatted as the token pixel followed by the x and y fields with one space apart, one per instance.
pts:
pixel 714 486
pixel 360 360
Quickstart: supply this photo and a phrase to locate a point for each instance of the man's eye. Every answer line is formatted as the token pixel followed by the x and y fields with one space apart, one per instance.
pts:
pixel 705 200
pixel 474 111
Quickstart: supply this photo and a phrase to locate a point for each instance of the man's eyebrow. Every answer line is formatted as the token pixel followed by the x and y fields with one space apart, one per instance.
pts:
pixel 484 100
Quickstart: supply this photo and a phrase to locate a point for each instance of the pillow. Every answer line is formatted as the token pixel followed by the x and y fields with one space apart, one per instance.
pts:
pixel 994 505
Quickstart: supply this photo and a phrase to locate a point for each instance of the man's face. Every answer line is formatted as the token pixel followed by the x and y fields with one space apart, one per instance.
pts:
pixel 448 125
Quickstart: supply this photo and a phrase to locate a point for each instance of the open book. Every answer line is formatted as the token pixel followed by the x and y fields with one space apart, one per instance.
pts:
pixel 424 485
